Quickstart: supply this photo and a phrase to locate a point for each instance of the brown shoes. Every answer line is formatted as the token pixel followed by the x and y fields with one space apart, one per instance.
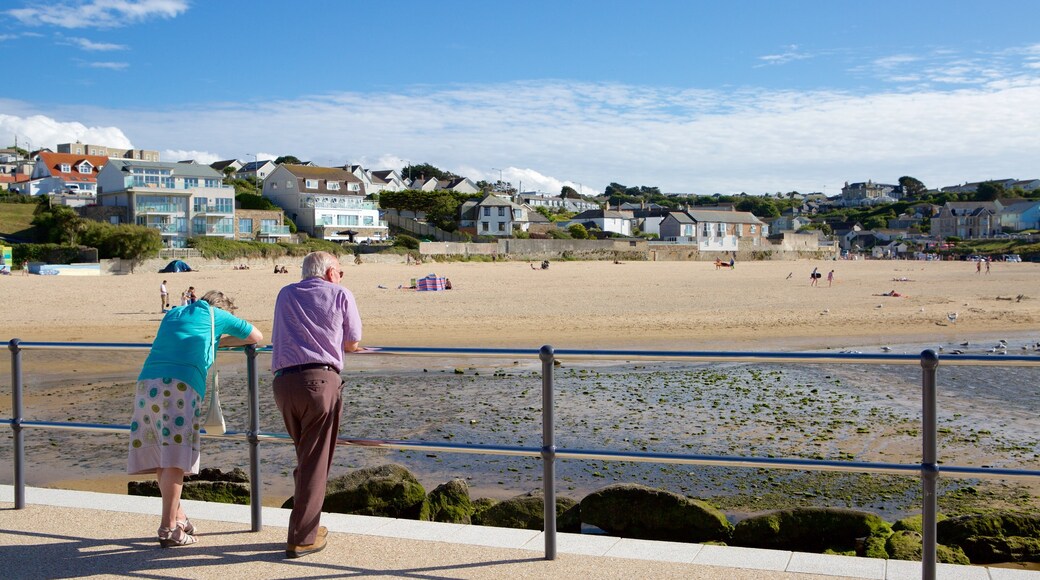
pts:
pixel 294 551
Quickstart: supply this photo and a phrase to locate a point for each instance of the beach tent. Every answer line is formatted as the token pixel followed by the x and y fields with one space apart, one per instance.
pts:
pixel 176 266
pixel 429 283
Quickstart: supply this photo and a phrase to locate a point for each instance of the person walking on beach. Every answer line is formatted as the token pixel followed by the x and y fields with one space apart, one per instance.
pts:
pixel 315 321
pixel 987 264
pixel 25 267
pixel 830 278
pixel 164 297
pixel 978 266
pixel 164 430
pixel 813 278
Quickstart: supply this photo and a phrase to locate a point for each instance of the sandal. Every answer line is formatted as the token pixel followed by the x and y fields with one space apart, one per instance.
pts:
pixel 168 538
pixel 187 526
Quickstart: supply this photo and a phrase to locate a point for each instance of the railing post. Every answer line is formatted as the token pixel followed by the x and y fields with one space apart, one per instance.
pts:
pixel 929 465
pixel 253 433
pixel 16 423
pixel 548 451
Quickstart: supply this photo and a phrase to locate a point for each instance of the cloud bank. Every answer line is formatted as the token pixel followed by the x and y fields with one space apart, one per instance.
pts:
pixel 547 134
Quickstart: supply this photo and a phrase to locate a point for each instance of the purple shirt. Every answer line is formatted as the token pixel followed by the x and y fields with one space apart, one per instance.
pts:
pixel 312 320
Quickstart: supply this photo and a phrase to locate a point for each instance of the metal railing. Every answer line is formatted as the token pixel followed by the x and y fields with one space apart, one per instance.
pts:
pixel 928 470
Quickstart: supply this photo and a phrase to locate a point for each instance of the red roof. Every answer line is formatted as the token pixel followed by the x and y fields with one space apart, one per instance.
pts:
pixel 54 161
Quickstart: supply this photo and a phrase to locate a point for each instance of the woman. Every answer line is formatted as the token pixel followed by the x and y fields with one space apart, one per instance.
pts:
pixel 164 431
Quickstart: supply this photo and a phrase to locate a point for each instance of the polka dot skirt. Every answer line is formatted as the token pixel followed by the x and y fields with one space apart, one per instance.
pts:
pixel 164 430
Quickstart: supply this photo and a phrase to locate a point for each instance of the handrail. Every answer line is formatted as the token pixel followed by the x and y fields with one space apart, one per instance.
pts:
pixel 929 469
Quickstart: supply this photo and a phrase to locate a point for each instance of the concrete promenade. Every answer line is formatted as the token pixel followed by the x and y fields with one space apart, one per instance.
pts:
pixel 70 534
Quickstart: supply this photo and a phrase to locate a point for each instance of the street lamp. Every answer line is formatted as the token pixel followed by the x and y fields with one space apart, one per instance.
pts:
pixel 499 175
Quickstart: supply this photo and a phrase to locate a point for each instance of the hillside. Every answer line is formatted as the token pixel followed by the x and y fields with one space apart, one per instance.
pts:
pixel 16 221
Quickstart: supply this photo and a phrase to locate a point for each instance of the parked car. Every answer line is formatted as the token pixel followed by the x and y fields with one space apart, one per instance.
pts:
pixel 1012 258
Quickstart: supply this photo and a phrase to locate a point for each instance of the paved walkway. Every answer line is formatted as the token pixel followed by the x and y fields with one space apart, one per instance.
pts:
pixel 70 534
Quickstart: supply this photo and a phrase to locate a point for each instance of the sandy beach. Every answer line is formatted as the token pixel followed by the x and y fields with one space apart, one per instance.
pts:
pixel 666 305
pixel 633 305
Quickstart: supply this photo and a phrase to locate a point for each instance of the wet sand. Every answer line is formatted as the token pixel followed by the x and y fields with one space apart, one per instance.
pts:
pixel 675 306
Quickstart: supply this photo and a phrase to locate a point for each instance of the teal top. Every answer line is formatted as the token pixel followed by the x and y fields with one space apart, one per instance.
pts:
pixel 182 347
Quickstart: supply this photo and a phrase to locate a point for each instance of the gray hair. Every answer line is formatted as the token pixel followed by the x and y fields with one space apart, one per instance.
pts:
pixel 315 264
pixel 217 298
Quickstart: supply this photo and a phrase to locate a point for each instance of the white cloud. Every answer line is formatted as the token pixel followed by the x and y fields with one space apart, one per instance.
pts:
pixel 202 157
pixel 108 65
pixel 97 13
pixel 792 54
pixel 87 44
pixel 550 134
pixel 42 131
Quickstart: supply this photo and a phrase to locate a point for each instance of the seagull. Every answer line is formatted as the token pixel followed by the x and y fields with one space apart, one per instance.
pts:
pixel 965 343
pixel 886 348
pixel 951 316
pixel 940 348
pixel 956 351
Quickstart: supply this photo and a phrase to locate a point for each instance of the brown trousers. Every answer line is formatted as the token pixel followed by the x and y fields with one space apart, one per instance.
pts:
pixel 311 402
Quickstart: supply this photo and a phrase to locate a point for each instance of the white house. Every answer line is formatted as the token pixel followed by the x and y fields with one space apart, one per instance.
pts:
pixel 326 202
pixel 714 230
pixel 493 216
pixel 607 220
pixel 258 170
pixel 58 173
pixel 180 200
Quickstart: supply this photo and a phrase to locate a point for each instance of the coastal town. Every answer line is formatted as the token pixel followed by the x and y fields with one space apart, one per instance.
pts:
pixel 285 200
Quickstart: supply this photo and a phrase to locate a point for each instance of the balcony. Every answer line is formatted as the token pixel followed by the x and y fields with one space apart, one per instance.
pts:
pixel 213 209
pixel 214 230
pixel 274 230
pixel 155 208
pixel 167 229
pixel 344 203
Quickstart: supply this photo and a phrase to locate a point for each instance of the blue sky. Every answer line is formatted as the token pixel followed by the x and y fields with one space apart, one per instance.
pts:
pixel 691 96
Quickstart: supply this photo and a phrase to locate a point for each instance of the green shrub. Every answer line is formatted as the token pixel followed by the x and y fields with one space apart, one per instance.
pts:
pixel 406 241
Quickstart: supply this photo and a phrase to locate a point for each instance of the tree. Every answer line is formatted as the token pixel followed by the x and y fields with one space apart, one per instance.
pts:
pixel 578 232
pixel 288 159
pixel 912 187
pixel 124 241
pixel 426 171
pixel 59 224
pixel 761 206
pixel 568 191
pixel 989 190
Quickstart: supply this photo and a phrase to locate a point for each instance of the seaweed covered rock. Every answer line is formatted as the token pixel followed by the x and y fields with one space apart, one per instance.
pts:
pixel 211 485
pixel 996 549
pixel 480 506
pixel 994 537
pixel 527 512
pixel 812 529
pixel 913 523
pixel 999 524
pixel 906 544
pixel 386 490
pixel 637 511
pixel 448 502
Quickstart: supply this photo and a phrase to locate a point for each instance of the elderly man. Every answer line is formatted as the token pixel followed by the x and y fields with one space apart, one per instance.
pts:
pixel 315 321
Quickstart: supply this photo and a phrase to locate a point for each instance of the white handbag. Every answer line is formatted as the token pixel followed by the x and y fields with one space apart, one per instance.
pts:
pixel 214 421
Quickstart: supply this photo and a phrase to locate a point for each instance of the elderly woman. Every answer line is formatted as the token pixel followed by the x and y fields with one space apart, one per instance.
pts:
pixel 164 431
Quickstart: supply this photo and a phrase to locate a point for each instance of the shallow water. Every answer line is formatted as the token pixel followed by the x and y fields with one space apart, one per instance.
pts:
pixel 987 416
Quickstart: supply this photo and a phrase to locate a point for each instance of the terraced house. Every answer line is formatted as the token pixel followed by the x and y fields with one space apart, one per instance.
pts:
pixel 180 200
pixel 325 202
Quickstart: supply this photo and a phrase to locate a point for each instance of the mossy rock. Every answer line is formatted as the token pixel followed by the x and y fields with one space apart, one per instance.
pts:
pixel 914 523
pixel 448 502
pixel 998 524
pixel 994 549
pixel 908 545
pixel 637 511
pixel 480 506
pixel 811 529
pixel 211 485
pixel 387 490
pixel 527 512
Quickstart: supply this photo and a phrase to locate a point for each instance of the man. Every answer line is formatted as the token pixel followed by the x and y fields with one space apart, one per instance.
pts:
pixel 315 321
pixel 164 297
